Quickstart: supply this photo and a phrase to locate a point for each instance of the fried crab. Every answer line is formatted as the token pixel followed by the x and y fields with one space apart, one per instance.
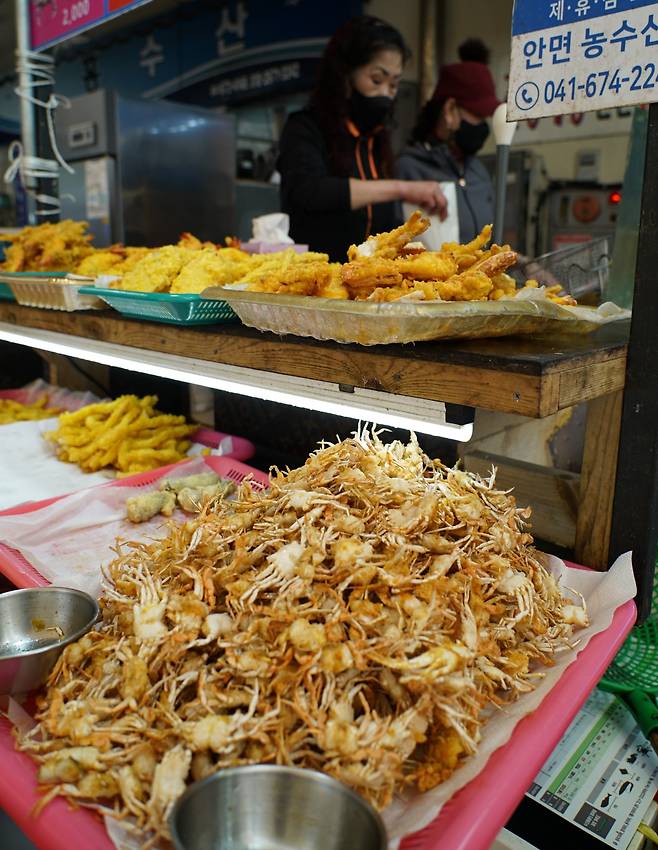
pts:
pixel 360 617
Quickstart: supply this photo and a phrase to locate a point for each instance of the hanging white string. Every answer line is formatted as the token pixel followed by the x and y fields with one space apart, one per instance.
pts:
pixel 39 70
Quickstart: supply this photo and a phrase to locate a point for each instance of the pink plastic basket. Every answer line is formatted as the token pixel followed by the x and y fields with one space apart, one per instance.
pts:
pixel 469 821
pixel 21 573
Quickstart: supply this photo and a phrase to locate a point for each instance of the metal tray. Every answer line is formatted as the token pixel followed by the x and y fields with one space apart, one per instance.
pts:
pixel 369 323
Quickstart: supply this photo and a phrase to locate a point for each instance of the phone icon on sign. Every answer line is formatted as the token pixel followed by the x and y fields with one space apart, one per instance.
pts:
pixel 527 95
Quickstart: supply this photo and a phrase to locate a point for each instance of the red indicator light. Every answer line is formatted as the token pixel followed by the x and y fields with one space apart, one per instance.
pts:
pixel 614 197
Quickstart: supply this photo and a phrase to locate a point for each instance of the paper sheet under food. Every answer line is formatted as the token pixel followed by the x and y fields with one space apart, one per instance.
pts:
pixel 69 541
pixel 29 468
pixel 408 320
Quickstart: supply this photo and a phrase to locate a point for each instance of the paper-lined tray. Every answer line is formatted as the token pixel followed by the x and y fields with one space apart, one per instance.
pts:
pixel 515 745
pixel 370 323
pixel 66 540
pixel 51 290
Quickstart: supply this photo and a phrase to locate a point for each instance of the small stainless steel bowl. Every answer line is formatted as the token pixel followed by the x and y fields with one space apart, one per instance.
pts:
pixel 35 626
pixel 266 807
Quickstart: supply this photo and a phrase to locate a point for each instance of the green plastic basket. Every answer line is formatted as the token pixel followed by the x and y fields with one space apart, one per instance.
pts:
pixel 5 292
pixel 164 307
pixel 635 666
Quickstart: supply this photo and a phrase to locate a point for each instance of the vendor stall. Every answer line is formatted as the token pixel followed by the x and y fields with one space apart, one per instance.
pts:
pixel 373 620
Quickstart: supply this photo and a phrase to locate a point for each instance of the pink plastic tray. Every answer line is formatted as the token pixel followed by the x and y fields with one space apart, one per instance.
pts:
pixel 22 574
pixel 469 821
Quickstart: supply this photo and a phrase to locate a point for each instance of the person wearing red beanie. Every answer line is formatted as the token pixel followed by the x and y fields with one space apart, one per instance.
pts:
pixel 450 130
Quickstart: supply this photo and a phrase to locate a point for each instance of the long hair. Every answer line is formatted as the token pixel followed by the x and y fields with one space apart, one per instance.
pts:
pixel 427 120
pixel 354 44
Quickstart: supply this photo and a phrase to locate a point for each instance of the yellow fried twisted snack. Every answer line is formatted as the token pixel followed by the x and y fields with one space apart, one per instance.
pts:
pixel 128 434
pixel 16 411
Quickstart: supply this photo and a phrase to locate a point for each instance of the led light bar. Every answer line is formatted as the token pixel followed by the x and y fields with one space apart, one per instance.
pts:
pixel 396 411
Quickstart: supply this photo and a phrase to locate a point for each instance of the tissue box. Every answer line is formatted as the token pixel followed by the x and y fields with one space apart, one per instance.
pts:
pixel 254 247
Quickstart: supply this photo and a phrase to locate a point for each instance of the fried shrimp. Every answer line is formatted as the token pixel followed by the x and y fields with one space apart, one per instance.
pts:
pixel 357 618
pixel 390 245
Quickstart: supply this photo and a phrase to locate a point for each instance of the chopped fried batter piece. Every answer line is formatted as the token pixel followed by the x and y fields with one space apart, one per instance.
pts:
pixel 147 505
pixel 156 271
pixel 202 479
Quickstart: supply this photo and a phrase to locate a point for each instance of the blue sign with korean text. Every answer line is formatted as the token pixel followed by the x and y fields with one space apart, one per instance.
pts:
pixel 540 15
pixel 581 55
pixel 232 53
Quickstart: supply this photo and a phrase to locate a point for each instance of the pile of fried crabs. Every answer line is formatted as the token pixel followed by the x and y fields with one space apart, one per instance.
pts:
pixel 362 616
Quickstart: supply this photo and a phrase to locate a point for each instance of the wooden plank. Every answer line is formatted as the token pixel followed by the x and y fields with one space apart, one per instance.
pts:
pixel 388 370
pixel 529 355
pixel 597 481
pixel 578 385
pixel 551 493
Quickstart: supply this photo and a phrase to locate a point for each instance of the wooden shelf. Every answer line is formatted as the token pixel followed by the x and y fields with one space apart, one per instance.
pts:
pixel 529 376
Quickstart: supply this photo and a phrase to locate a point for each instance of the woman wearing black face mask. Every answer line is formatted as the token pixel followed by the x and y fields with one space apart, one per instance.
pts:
pixel 450 130
pixel 335 162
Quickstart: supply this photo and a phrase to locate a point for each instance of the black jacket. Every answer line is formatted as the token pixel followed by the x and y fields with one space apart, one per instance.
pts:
pixel 475 195
pixel 317 201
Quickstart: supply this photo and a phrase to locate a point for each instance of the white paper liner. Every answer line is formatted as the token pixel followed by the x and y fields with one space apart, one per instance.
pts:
pixel 411 320
pixel 30 470
pixel 68 541
pixel 59 397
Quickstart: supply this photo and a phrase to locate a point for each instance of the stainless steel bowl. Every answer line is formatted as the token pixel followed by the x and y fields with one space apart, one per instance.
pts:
pixel 266 807
pixel 35 626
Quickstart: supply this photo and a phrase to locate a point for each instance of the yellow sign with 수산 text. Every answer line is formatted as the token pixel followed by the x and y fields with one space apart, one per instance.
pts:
pixel 581 55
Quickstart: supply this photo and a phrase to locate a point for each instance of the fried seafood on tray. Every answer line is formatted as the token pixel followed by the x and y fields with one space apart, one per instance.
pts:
pixel 49 247
pixel 357 618
pixel 391 266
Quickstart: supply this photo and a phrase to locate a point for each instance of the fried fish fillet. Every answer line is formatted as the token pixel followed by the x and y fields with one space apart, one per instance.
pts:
pixel 210 267
pixel 156 271
pixel 192 499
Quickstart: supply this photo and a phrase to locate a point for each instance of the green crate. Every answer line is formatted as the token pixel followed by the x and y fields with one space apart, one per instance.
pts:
pixel 164 307
pixel 5 292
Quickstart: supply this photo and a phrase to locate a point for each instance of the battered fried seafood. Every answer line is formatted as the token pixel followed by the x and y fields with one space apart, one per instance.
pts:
pixel 190 493
pixel 48 247
pixel 147 505
pixel 128 434
pixel 16 411
pixel 390 266
pixel 391 244
pixel 357 618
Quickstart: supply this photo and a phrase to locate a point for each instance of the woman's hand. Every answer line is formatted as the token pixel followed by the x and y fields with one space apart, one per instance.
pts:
pixel 426 194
